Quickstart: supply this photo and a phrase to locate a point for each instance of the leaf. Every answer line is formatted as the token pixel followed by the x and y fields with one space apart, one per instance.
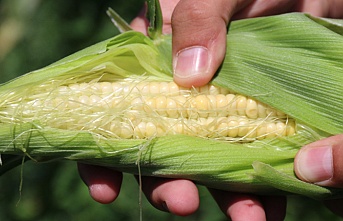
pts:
pixel 268 175
pixel 118 21
pixel 155 19
pixel 290 62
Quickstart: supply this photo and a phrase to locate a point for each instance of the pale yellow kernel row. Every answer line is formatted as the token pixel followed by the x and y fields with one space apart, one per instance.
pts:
pixel 205 101
pixel 172 106
pixel 140 87
pixel 142 110
pixel 223 128
pixel 205 106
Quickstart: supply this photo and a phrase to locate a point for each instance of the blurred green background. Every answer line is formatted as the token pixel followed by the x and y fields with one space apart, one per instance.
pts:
pixel 35 33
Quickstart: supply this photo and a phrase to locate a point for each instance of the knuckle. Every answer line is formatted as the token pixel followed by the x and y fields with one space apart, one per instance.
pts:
pixel 189 12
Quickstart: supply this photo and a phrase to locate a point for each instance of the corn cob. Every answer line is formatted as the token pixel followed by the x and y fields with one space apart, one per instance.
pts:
pixel 114 104
pixel 142 110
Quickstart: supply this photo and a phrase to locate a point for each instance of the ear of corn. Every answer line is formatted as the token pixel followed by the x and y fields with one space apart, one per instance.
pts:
pixel 143 109
pixel 114 104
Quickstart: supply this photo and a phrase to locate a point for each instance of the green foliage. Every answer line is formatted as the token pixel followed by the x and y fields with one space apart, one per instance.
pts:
pixel 46 31
pixel 39 33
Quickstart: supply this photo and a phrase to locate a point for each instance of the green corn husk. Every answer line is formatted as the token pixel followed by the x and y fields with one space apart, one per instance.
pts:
pixel 293 62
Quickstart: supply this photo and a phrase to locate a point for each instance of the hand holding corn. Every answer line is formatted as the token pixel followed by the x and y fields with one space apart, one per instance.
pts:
pixel 321 163
pixel 114 104
pixel 183 30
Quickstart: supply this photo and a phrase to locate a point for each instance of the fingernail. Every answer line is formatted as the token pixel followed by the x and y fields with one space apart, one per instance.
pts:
pixel 315 164
pixel 191 61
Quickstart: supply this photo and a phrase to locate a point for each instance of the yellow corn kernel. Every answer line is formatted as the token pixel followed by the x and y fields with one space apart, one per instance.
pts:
pixel 251 108
pixel 161 104
pixel 172 108
pixel 141 110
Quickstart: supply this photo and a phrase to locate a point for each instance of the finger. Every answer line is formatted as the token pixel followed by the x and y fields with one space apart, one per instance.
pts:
pixel 320 8
pixel 168 7
pixel 329 8
pixel 264 8
pixel 321 162
pixel 314 7
pixel 103 183
pixel 176 196
pixel 140 22
pixel 239 206
pixel 335 10
pixel 199 39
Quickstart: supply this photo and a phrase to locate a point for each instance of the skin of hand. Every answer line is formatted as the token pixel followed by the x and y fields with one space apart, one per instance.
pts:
pixel 199 41
pixel 321 163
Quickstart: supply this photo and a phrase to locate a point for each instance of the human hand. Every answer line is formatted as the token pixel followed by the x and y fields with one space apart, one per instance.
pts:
pixel 321 163
pixel 199 29
pixel 199 39
pixel 180 197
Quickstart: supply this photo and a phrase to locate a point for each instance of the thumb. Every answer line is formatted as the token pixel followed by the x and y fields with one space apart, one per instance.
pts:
pixel 199 39
pixel 321 162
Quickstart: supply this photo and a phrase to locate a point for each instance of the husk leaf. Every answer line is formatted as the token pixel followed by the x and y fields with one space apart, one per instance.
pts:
pixel 292 62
